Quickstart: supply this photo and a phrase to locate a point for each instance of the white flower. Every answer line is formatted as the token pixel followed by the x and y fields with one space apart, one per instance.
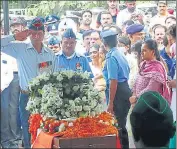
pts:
pixel 62 127
pixel 70 124
pixel 84 99
pixel 86 108
pixel 59 77
pixel 59 98
pixel 67 114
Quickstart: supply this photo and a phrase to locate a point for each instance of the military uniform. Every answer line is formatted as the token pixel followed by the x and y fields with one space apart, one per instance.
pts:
pixel 53 42
pixel 116 68
pixel 51 26
pixel 30 66
pixel 75 62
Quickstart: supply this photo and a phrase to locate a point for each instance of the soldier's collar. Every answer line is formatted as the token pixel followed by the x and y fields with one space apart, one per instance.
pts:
pixel 30 46
pixel 110 51
pixel 61 53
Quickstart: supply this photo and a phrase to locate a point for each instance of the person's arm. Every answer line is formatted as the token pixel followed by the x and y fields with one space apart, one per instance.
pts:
pixel 113 69
pixel 172 83
pixel 152 86
pixel 9 47
pixel 112 91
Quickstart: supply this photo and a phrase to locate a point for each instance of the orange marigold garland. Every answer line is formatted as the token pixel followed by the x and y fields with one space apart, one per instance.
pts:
pixel 34 124
pixel 100 125
pixel 90 126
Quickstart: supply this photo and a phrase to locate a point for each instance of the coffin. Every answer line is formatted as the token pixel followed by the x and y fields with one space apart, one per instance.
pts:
pixel 92 142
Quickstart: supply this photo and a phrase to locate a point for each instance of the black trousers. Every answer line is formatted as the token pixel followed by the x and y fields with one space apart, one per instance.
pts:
pixel 121 108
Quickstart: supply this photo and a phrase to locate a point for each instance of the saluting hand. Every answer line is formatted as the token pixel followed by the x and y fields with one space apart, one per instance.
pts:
pixel 21 36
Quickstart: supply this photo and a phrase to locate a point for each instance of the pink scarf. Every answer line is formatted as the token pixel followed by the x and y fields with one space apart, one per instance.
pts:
pixel 155 70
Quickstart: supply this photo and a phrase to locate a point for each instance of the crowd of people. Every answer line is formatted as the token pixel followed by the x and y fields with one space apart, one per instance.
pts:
pixel 131 60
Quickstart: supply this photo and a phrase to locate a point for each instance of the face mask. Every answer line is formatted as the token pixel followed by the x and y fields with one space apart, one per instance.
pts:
pixel 122 49
pixel 132 9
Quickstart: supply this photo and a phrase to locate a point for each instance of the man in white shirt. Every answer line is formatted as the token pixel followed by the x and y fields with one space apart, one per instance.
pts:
pixel 6 79
pixel 16 25
pixel 162 14
pixel 130 13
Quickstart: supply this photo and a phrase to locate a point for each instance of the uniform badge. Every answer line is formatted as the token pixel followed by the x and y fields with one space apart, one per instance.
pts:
pixel 50 18
pixel 45 67
pixel 78 66
pixel 53 27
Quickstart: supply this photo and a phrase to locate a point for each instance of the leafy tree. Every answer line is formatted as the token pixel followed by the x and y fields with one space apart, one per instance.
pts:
pixel 59 7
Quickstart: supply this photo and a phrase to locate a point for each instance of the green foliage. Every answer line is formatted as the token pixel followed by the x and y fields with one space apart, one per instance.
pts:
pixel 45 8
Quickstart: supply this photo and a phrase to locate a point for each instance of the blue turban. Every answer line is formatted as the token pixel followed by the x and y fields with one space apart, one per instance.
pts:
pixel 134 28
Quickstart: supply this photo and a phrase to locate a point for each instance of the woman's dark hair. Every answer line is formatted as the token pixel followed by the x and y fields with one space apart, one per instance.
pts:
pixel 126 41
pixel 172 31
pixel 165 41
pixel 152 45
pixel 103 49
pixel 137 48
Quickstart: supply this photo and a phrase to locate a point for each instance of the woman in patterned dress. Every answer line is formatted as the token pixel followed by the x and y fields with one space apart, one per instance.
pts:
pixel 152 74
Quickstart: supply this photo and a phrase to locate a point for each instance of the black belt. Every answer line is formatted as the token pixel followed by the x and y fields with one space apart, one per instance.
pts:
pixel 15 72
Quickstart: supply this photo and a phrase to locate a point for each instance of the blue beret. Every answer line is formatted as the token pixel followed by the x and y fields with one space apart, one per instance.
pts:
pixel 69 33
pixel 53 40
pixel 37 24
pixel 53 27
pixel 107 33
pixel 134 28
pixel 52 19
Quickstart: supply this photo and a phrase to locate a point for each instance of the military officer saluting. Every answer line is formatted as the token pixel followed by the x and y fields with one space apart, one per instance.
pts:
pixel 30 58
pixel 68 59
pixel 116 73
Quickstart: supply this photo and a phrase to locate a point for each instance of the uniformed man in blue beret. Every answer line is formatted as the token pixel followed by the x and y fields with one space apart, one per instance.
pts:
pixel 52 29
pixel 54 44
pixel 135 32
pixel 116 73
pixel 67 58
pixel 30 58
pixel 51 26
pixel 51 19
